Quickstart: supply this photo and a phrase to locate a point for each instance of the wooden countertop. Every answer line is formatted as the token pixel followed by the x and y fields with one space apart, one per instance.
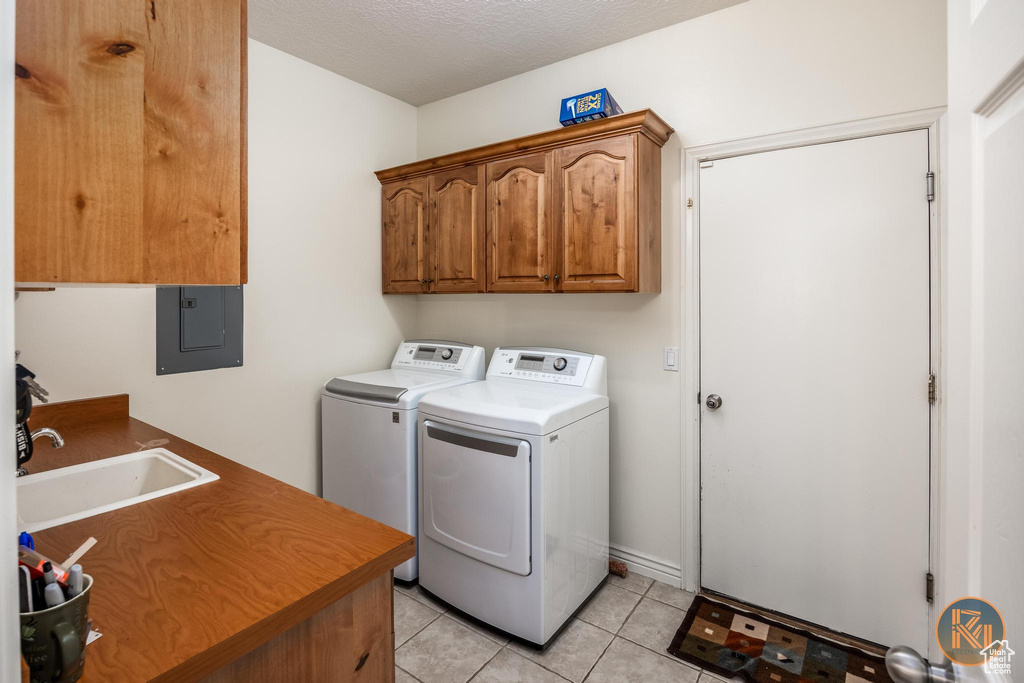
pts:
pixel 188 582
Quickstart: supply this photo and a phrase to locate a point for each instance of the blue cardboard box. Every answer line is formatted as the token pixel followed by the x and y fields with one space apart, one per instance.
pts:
pixel 596 104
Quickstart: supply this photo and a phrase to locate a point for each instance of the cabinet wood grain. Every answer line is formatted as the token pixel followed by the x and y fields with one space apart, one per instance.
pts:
pixel 518 224
pixel 596 213
pixel 405 258
pixel 457 230
pixel 576 209
pixel 129 142
pixel 350 641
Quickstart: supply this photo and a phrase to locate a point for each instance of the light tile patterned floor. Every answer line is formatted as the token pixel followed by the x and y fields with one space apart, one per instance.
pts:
pixel 620 636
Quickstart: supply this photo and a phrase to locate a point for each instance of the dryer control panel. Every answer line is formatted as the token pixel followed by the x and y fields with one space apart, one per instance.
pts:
pixel 552 366
pixel 436 355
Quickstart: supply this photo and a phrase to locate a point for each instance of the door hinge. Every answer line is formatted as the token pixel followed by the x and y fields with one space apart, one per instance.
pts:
pixel 698 398
pixel 929 587
pixel 930 186
pixel 931 388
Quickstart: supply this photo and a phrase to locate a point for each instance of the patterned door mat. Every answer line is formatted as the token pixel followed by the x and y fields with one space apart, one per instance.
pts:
pixel 731 642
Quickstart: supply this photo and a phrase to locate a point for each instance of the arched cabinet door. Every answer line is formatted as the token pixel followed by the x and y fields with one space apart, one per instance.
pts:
pixel 457 230
pixel 595 201
pixel 405 218
pixel 519 235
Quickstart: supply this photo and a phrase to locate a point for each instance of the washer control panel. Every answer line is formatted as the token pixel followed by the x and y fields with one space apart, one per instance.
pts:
pixel 431 356
pixel 553 366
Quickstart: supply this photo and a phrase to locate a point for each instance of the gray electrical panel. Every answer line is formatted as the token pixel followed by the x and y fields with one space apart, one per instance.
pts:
pixel 198 328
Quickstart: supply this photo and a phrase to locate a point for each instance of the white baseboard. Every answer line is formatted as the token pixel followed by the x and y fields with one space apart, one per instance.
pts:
pixel 647 565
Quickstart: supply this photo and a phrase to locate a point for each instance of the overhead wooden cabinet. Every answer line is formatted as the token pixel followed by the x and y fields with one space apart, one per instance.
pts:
pixel 597 215
pixel 456 239
pixel 405 215
pixel 518 224
pixel 433 233
pixel 130 142
pixel 576 209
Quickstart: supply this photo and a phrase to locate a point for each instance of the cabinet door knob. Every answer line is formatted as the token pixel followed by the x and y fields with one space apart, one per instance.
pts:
pixel 430 279
pixel 545 278
pixel 556 278
pixel 423 282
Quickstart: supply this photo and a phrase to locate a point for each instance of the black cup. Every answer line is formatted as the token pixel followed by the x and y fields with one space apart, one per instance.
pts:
pixel 53 639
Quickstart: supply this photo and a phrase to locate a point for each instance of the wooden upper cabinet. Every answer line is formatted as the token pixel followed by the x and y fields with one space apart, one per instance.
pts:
pixel 596 206
pixel 406 259
pixel 130 142
pixel 519 225
pixel 576 209
pixel 457 233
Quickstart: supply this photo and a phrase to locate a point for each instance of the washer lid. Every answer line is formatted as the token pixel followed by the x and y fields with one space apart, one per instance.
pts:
pixel 371 392
pixel 513 405
pixel 401 389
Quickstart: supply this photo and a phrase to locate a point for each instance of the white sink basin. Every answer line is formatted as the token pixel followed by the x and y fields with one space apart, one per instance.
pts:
pixel 68 494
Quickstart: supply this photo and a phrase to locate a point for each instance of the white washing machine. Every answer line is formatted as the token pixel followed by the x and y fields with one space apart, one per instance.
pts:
pixel 369 431
pixel 514 490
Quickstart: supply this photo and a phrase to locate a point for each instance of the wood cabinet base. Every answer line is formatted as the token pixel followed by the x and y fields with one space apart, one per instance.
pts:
pixel 350 640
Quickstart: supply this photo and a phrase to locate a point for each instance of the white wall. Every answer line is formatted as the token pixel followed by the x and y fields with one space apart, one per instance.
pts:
pixel 760 67
pixel 313 308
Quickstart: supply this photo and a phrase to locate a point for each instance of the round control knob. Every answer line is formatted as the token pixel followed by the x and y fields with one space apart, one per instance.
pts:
pixel 560 364
pixel 446 354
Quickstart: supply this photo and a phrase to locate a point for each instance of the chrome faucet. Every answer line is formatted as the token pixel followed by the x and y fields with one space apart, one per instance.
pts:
pixel 56 440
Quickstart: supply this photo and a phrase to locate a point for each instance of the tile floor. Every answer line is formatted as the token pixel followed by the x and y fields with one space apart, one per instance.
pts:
pixel 620 636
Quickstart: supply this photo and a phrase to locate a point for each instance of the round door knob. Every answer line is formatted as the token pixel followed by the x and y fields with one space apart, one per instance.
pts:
pixel 714 402
pixel 546 278
pixel 423 281
pixel 446 354
pixel 560 364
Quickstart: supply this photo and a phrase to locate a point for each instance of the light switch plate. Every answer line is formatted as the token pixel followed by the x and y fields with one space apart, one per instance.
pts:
pixel 672 358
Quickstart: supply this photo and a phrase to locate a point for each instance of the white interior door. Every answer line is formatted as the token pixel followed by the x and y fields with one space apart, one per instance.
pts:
pixel 814 314
pixel 984 397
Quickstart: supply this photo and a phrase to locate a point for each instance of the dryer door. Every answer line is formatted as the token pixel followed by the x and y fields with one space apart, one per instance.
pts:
pixel 476 494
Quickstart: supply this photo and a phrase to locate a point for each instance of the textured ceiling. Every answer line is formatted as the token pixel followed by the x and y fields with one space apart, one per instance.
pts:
pixel 424 50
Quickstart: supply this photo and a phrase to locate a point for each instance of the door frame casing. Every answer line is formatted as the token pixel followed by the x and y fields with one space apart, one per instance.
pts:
pixel 924 119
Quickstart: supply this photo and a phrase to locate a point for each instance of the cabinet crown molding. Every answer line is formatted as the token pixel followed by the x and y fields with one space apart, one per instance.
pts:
pixel 644 121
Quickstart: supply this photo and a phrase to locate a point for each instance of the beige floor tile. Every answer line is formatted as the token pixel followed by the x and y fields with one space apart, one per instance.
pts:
pixel 403 677
pixel 509 667
pixel 574 651
pixel 662 592
pixel 411 616
pixel 625 662
pixel 609 608
pixel 633 582
pixel 710 677
pixel 445 652
pixel 652 624
pixel 499 638
pixel 418 595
